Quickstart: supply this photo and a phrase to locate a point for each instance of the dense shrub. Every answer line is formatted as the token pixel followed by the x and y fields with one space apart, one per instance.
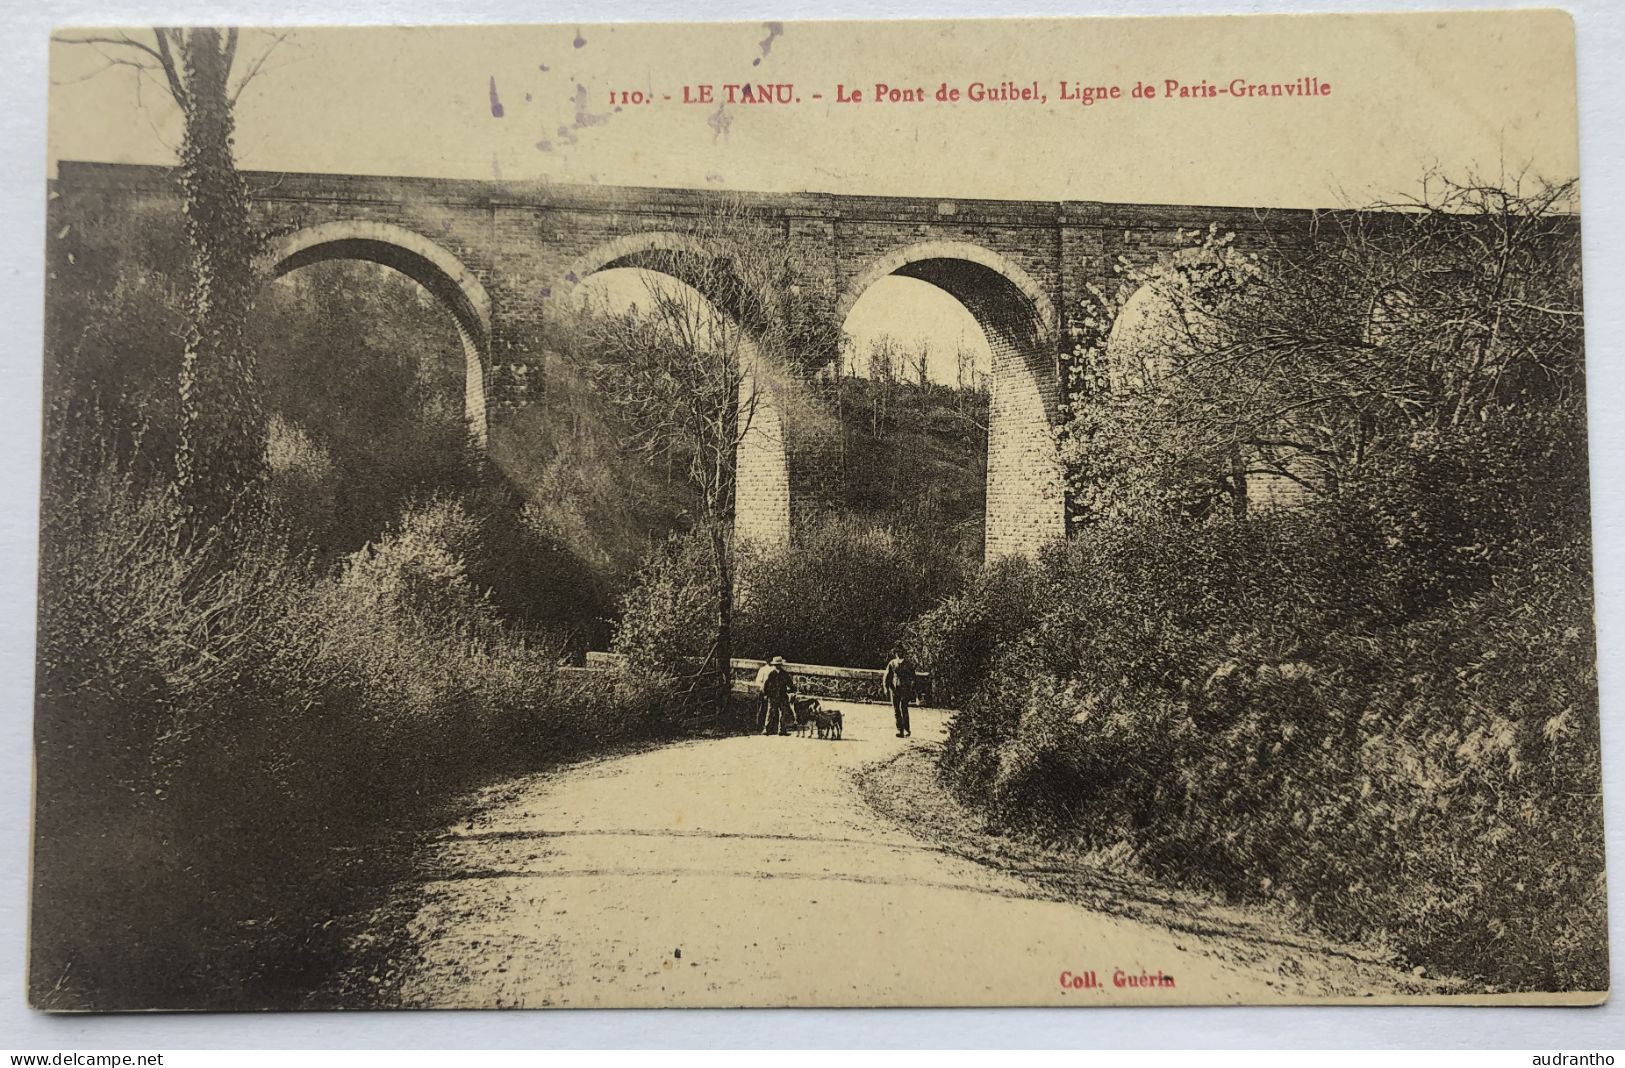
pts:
pixel 226 738
pixel 958 640
pixel 668 618
pixel 236 743
pixel 1381 704
pixel 842 593
pixel 1236 703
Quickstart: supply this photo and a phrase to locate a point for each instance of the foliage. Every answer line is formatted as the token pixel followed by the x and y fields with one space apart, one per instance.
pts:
pixel 563 452
pixel 284 618
pixel 364 377
pixel 356 361
pixel 1377 702
pixel 895 453
pixel 231 736
pixel 239 719
pixel 1209 382
pixel 959 640
pixel 843 592
pixel 1224 701
pixel 666 617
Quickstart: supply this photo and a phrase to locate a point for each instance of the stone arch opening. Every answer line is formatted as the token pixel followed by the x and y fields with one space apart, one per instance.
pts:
pixel 428 264
pixel 762 472
pixel 1149 334
pixel 1026 502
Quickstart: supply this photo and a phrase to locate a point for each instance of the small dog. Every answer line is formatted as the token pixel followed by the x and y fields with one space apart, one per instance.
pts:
pixel 811 717
pixel 805 710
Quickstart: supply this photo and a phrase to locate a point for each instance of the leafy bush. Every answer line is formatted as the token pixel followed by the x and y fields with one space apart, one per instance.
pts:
pixel 958 640
pixel 842 593
pixel 668 618
pixel 226 735
pixel 1234 703
pixel 1381 704
pixel 236 743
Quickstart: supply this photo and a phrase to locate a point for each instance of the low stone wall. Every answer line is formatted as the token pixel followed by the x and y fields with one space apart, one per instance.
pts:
pixel 814 680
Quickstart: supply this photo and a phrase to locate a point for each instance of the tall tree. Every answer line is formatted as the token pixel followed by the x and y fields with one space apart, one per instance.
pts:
pixel 220 448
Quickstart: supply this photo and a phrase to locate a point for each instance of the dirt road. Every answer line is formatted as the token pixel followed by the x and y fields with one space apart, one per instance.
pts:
pixel 751 871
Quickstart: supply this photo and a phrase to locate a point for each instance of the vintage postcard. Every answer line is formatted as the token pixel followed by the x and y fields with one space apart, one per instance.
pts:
pixel 983 513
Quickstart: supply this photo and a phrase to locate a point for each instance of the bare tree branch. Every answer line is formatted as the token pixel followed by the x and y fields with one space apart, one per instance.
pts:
pixel 121 41
pixel 166 56
pixel 258 63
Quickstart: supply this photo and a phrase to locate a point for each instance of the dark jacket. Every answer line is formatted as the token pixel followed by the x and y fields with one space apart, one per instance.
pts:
pixel 900 678
pixel 777 685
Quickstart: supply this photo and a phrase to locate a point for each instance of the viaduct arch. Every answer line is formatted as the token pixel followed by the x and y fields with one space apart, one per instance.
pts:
pixel 762 471
pixel 1026 502
pixel 457 288
pixel 498 253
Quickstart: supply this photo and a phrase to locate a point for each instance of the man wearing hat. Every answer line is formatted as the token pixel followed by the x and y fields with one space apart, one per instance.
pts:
pixel 777 684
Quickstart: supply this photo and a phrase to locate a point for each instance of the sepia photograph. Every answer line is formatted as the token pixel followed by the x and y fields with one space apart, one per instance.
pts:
pixel 1072 512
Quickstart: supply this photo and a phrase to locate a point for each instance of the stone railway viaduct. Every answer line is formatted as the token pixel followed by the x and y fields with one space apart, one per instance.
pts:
pixel 499 255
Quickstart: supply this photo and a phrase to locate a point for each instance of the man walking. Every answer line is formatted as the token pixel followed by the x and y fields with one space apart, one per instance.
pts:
pixel 777 685
pixel 899 683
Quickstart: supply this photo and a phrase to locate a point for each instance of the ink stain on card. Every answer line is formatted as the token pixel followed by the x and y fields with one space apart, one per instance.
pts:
pixel 719 122
pixel 774 29
pixel 496 101
pixel 585 118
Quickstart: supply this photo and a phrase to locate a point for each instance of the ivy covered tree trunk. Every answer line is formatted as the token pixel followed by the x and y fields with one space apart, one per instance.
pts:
pixel 220 452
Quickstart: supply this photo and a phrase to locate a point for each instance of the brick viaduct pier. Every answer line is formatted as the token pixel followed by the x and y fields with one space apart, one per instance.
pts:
pixel 498 255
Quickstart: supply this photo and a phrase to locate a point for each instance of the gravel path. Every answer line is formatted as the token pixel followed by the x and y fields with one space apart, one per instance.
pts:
pixel 753 871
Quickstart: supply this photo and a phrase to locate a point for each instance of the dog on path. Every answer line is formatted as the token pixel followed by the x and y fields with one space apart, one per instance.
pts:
pixel 811 716
pixel 805 709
